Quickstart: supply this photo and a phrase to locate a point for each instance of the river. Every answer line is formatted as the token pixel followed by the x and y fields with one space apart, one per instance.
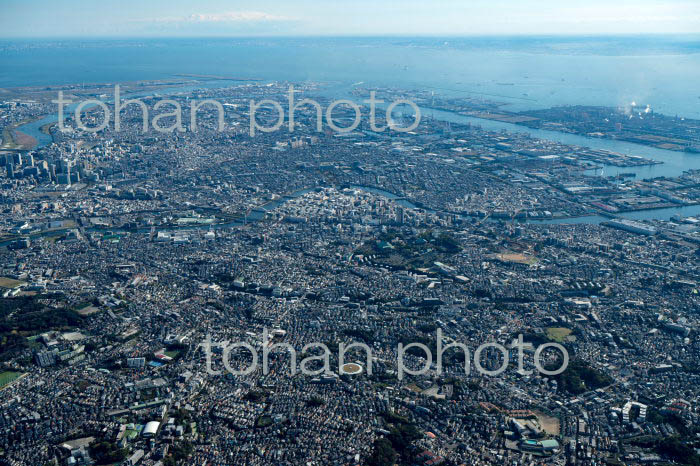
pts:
pixel 674 163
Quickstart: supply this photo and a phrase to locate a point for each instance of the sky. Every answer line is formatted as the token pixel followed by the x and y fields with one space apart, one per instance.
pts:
pixel 178 18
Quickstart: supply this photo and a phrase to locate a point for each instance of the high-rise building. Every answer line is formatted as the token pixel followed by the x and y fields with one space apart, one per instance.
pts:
pixel 136 363
pixel 45 358
pixel 30 171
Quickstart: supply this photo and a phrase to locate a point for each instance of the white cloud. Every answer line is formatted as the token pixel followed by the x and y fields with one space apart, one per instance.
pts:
pixel 229 17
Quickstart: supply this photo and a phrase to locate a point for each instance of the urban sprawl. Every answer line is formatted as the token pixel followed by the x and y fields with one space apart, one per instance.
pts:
pixel 122 252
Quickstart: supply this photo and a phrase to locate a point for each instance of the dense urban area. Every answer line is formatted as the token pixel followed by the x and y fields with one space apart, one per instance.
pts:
pixel 123 252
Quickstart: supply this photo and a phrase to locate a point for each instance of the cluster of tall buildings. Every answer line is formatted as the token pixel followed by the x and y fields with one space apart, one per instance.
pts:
pixel 62 171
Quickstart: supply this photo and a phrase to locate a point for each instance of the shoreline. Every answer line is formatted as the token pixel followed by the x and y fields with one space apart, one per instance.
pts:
pixel 508 119
pixel 15 140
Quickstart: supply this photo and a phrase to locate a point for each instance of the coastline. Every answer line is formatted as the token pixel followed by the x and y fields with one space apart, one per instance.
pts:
pixel 14 139
pixel 513 119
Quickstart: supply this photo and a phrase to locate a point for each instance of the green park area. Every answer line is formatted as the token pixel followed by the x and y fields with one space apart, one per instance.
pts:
pixel 7 377
pixel 558 334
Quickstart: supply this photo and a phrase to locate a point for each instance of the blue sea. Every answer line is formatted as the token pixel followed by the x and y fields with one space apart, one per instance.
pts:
pixel 521 72
pixel 524 72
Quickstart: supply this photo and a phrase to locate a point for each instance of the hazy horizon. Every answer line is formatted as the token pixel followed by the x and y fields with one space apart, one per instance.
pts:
pixel 310 18
pixel 686 35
